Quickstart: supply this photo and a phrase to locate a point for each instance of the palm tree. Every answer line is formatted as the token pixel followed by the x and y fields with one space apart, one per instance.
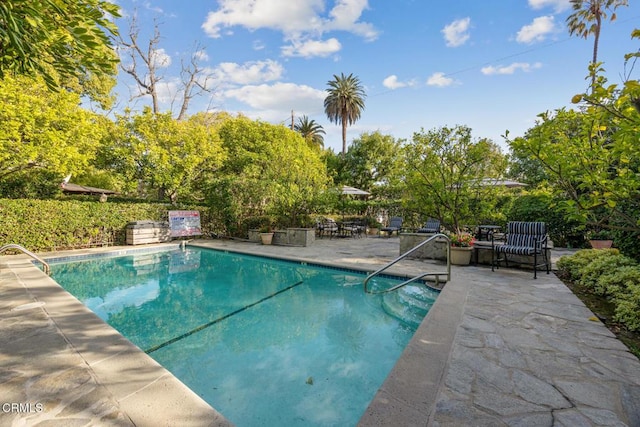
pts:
pixel 344 103
pixel 311 131
pixel 587 19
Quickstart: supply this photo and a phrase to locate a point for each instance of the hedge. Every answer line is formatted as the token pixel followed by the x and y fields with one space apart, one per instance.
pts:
pixel 47 225
pixel 611 275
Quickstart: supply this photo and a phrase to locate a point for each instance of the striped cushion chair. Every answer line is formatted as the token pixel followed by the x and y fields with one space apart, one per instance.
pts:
pixel 525 239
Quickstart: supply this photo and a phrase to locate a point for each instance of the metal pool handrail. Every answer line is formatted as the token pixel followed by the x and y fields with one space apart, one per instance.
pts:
pixel 420 276
pixel 45 266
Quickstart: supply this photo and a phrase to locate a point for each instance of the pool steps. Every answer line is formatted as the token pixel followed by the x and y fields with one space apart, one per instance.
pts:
pixel 409 304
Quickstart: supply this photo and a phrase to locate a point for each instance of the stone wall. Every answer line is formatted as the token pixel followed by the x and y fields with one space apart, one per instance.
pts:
pixel 436 250
pixel 288 237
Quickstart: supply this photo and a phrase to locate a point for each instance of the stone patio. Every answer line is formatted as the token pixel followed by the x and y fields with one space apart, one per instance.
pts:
pixel 496 349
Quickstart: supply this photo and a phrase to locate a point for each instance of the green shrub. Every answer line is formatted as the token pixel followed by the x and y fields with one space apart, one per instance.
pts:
pixel 571 266
pixel 602 266
pixel 617 282
pixel 45 225
pixel 608 273
pixel 627 309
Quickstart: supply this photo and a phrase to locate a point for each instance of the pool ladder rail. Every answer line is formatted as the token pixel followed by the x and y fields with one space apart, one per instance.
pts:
pixel 437 275
pixel 26 251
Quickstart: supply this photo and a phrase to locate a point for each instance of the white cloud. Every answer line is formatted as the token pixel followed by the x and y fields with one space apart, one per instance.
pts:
pixel 510 69
pixel 345 15
pixel 558 5
pixel 537 30
pixel 251 72
pixel 160 59
pixel 311 48
pixel 147 5
pixel 201 55
pixel 457 33
pixel 168 90
pixel 258 45
pixel 439 79
pixel 295 19
pixel 282 97
pixel 392 82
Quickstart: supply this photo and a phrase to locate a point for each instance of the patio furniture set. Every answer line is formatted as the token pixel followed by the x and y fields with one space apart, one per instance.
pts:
pixel 331 228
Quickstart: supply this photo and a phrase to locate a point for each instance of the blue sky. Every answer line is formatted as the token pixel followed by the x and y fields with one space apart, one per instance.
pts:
pixel 492 65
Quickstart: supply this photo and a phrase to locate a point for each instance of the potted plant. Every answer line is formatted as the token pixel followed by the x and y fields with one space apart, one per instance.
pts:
pixel 461 247
pixel 600 239
pixel 266 235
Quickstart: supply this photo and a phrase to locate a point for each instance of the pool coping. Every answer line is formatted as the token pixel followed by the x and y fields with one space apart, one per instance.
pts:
pixel 145 391
pixel 151 395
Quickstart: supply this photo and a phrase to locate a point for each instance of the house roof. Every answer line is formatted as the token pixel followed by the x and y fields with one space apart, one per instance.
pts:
pixel 83 189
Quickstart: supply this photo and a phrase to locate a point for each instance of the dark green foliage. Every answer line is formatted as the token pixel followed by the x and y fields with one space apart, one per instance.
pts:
pixel 36 184
pixel 628 241
pixel 45 225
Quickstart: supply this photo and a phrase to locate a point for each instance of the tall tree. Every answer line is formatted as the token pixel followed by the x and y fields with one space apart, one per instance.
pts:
pixel 311 131
pixel 587 19
pixel 57 39
pixel 372 162
pixel 444 172
pixel 44 131
pixel 344 102
pixel 269 171
pixel 158 152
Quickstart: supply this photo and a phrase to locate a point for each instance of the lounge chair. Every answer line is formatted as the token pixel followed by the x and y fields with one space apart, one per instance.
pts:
pixel 524 239
pixel 431 226
pixel 395 224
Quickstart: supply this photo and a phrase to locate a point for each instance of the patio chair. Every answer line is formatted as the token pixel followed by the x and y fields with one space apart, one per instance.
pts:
pixel 326 227
pixel 523 239
pixel 431 226
pixel 395 224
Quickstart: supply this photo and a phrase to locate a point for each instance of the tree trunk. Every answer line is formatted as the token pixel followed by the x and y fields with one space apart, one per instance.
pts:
pixel 344 134
pixel 596 40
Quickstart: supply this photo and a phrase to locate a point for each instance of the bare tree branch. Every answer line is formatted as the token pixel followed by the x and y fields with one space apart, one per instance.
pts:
pixel 143 66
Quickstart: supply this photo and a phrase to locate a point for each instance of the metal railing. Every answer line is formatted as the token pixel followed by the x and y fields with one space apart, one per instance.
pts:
pixel 420 276
pixel 45 266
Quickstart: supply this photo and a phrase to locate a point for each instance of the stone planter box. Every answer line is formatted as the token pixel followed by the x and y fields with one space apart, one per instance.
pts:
pixel 254 235
pixel 301 236
pixel 280 237
pixel 288 237
pixel 436 250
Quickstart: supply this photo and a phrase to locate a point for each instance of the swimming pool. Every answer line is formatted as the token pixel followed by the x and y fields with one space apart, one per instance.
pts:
pixel 265 342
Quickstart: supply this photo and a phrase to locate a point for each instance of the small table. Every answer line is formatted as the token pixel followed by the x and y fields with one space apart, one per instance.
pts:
pixel 484 231
pixel 349 229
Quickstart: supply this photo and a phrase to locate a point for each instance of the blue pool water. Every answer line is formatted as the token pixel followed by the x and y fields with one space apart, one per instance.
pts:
pixel 265 342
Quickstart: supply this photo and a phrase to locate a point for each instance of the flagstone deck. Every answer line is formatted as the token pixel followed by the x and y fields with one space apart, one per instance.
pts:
pixel 496 349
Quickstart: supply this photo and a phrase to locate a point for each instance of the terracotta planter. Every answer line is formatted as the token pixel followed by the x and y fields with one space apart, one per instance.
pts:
pixel 601 244
pixel 266 238
pixel 461 256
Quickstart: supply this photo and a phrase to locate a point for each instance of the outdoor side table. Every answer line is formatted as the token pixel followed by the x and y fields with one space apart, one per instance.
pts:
pixel 484 231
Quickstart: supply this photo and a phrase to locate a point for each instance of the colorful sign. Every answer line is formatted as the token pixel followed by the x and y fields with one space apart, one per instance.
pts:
pixel 184 223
